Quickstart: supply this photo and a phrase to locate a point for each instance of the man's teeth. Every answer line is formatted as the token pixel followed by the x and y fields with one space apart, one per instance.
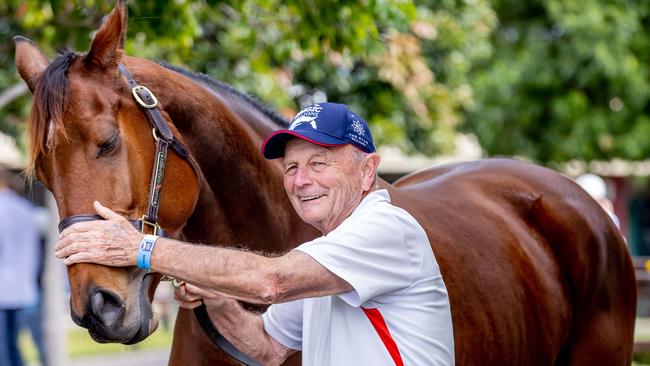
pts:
pixel 309 198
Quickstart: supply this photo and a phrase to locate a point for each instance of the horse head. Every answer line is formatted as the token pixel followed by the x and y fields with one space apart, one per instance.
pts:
pixel 91 141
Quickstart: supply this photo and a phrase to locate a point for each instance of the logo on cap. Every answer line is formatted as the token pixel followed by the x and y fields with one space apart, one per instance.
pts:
pixel 358 127
pixel 307 115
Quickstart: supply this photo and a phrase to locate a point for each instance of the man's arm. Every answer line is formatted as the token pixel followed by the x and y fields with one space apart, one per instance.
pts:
pixel 242 328
pixel 244 275
pixel 234 273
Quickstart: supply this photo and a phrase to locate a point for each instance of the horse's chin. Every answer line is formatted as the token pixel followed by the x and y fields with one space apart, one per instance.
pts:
pixel 146 328
pixel 135 328
pixel 148 319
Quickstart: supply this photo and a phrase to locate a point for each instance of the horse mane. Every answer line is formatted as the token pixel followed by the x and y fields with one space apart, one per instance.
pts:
pixel 51 96
pixel 50 101
pixel 218 86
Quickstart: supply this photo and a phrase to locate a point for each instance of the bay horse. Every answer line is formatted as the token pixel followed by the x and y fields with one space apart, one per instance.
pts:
pixel 537 273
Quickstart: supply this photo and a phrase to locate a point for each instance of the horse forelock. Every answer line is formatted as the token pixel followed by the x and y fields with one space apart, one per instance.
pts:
pixel 51 97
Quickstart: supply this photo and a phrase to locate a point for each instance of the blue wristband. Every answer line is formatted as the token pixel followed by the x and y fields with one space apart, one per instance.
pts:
pixel 144 251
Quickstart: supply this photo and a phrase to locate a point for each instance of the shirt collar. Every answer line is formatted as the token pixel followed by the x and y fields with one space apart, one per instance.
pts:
pixel 372 198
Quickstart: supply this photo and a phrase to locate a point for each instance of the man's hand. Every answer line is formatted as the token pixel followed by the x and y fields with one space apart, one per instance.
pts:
pixel 244 329
pixel 190 296
pixel 112 242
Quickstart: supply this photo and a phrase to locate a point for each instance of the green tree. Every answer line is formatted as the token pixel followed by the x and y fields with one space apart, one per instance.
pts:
pixel 568 79
pixel 402 65
pixel 550 80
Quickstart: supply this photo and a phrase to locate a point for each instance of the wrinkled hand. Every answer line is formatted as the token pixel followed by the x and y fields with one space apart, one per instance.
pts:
pixel 112 242
pixel 190 297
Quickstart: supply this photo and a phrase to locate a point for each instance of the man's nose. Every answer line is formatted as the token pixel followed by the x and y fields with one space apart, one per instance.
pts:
pixel 303 177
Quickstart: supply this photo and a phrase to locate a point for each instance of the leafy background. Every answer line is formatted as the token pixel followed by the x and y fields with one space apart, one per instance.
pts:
pixel 548 80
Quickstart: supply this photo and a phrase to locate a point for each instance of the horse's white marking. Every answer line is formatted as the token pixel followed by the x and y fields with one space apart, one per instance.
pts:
pixel 50 135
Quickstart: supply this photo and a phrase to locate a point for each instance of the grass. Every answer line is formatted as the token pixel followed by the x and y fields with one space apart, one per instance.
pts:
pixel 642 330
pixel 80 344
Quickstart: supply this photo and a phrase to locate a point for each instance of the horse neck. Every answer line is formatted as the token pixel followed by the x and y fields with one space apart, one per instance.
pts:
pixel 242 200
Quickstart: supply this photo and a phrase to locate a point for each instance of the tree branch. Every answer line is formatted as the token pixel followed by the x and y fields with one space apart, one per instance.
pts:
pixel 12 93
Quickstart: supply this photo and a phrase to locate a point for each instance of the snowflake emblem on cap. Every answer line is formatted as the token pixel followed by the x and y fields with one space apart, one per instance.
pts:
pixel 358 127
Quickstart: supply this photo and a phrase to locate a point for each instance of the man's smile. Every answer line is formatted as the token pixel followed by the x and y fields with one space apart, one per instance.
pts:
pixel 310 198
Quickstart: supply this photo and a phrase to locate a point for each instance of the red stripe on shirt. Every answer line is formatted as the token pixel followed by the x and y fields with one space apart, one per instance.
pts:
pixel 377 321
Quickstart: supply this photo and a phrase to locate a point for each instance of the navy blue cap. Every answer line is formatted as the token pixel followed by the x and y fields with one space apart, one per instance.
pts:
pixel 325 124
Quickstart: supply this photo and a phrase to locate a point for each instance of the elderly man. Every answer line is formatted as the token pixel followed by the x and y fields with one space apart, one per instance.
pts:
pixel 368 292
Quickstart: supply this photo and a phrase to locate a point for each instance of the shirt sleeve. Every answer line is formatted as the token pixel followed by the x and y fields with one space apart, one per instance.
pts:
pixel 283 322
pixel 377 253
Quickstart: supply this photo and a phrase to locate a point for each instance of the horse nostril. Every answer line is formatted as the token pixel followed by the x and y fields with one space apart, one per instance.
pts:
pixel 106 307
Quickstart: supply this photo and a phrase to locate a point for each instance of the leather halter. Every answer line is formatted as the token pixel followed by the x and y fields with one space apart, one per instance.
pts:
pixel 71 220
pixel 165 139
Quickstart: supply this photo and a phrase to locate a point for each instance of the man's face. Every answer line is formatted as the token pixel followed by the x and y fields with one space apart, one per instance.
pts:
pixel 324 184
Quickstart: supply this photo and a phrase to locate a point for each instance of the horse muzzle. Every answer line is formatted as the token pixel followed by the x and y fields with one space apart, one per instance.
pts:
pixel 110 319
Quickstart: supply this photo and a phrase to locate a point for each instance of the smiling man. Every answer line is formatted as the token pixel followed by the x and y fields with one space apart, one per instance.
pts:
pixel 367 292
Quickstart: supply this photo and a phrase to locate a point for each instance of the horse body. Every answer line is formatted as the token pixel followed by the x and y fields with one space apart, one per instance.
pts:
pixel 536 271
pixel 531 262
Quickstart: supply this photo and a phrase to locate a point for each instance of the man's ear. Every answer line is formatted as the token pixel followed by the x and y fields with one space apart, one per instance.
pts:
pixel 369 166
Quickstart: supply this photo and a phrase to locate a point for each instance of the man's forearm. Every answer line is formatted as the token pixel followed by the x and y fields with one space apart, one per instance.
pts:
pixel 246 276
pixel 245 330
pixel 234 273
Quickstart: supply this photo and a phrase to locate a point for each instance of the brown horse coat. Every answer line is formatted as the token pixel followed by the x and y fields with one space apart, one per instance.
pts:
pixel 537 273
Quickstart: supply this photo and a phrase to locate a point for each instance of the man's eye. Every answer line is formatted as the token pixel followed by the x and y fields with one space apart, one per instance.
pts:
pixel 290 170
pixel 318 165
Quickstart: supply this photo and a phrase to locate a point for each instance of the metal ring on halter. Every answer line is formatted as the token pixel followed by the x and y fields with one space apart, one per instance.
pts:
pixel 155 135
pixel 175 281
pixel 155 227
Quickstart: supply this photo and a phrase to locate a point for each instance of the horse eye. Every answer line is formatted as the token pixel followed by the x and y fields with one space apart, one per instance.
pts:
pixel 109 146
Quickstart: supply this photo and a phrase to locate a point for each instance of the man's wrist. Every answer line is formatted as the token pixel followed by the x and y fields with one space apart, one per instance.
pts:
pixel 145 249
pixel 220 304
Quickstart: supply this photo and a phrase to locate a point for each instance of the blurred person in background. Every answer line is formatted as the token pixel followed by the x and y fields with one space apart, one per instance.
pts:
pixel 597 189
pixel 20 258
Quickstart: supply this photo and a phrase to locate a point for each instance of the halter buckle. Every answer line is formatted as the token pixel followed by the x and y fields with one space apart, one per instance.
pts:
pixel 154 226
pixel 137 97
pixel 175 281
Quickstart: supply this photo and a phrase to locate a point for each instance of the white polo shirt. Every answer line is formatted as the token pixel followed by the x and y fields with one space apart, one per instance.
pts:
pixel 398 311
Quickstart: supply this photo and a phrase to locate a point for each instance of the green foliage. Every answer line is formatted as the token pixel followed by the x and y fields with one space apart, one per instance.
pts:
pixel 402 65
pixel 551 80
pixel 567 80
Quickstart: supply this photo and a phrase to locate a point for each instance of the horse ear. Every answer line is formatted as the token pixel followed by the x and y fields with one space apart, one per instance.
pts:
pixel 108 43
pixel 30 61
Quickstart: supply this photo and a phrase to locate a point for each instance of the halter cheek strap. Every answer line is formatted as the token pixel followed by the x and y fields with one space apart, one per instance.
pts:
pixel 164 138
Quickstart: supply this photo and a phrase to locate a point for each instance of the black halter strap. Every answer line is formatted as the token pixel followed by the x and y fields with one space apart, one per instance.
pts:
pixel 71 220
pixel 165 139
